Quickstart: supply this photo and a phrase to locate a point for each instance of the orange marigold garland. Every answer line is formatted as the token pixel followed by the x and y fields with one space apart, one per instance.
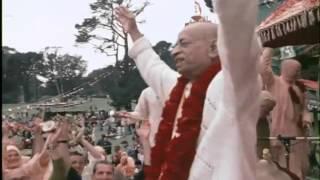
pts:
pixel 172 158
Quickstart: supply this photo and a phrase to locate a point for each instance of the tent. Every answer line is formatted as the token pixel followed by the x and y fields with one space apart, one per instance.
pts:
pixel 294 22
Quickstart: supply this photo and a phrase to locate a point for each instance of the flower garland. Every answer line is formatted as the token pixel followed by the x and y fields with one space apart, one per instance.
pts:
pixel 171 159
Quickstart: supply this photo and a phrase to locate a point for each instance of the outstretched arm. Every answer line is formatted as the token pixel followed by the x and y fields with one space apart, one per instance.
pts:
pixel 266 68
pixel 60 167
pixel 38 141
pixel 239 53
pixel 40 160
pixel 94 152
pixel 158 75
pixel 238 111
pixel 141 109
pixel 59 146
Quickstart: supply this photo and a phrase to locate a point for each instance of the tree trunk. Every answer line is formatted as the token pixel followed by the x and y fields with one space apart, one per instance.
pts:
pixel 126 54
pixel 57 86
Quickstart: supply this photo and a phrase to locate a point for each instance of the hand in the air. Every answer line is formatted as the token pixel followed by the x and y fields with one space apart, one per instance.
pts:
pixel 52 143
pixel 127 19
pixel 37 125
pixel 80 136
pixel 64 124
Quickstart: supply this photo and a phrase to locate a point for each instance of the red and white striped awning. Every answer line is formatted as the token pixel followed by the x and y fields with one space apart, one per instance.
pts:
pixel 294 22
pixel 314 85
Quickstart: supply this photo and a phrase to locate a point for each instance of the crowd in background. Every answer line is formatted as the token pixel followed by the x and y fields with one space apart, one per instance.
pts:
pixel 203 121
pixel 26 147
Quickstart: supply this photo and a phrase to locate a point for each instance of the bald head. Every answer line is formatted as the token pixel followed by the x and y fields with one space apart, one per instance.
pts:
pixel 196 49
pixel 202 30
pixel 290 63
pixel 290 70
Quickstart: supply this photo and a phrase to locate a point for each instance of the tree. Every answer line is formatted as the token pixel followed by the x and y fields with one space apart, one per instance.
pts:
pixel 61 68
pixel 124 87
pixel 6 53
pixel 102 30
pixel 163 49
pixel 209 4
pixel 18 70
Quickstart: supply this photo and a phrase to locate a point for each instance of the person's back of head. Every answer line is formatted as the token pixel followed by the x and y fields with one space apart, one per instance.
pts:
pixel 290 70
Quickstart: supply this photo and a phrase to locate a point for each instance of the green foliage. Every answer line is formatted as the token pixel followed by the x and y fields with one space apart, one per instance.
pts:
pixel 18 70
pixel 209 4
pixel 125 86
pixel 122 87
pixel 122 81
pixel 162 48
pixel 102 30
pixel 21 69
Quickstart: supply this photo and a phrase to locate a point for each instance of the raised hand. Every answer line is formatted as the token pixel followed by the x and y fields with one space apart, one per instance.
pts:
pixel 65 126
pixel 37 125
pixel 128 22
pixel 266 58
pixel 126 18
pixel 78 137
pixel 37 120
pixel 51 144
pixel 53 137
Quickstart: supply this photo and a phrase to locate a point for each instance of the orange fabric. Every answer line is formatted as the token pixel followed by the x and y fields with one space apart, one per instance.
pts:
pixel 314 85
pixel 288 116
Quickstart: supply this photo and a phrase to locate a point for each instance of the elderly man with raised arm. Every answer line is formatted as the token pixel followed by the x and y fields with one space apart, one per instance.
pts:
pixel 208 126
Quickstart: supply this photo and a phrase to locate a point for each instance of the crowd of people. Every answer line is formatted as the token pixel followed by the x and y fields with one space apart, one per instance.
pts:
pixel 66 150
pixel 202 121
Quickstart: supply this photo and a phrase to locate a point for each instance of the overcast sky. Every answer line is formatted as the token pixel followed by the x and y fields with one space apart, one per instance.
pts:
pixel 31 25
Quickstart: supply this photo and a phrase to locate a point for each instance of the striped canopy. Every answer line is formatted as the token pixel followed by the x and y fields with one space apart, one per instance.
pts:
pixel 294 22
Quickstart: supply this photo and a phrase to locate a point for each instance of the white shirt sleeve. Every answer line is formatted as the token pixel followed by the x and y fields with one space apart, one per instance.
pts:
pixel 157 74
pixel 239 53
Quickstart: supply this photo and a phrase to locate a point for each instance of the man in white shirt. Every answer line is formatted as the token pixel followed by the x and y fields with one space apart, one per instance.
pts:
pixel 149 109
pixel 209 120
